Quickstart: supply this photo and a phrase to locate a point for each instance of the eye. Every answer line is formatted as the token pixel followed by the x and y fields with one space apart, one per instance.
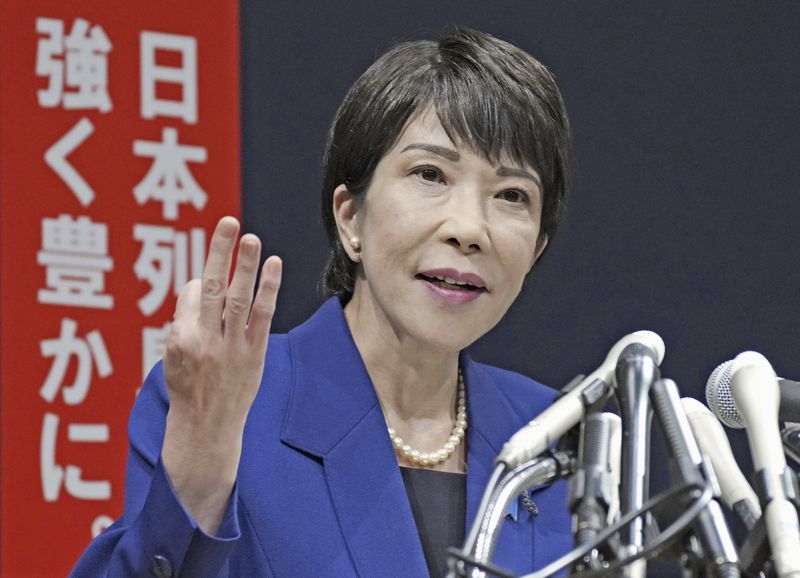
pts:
pixel 429 174
pixel 514 196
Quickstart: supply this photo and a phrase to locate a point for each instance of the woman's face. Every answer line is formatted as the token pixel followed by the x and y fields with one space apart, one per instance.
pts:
pixel 446 237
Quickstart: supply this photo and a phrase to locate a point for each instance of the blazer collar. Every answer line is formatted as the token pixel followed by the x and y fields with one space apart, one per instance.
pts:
pixel 493 419
pixel 334 414
pixel 332 392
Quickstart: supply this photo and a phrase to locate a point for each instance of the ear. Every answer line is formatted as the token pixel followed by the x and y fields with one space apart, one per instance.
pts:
pixel 345 212
pixel 541 243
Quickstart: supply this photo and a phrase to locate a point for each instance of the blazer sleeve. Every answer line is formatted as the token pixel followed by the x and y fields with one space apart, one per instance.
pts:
pixel 155 535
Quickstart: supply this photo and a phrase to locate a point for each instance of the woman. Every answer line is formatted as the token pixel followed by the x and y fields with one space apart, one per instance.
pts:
pixel 363 444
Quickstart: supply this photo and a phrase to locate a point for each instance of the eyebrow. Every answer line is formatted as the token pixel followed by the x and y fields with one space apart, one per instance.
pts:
pixel 449 154
pixel 512 172
pixel 453 156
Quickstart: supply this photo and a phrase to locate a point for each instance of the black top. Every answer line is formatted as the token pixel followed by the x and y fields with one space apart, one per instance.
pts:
pixel 439 503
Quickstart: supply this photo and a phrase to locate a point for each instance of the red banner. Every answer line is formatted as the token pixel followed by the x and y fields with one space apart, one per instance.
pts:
pixel 119 150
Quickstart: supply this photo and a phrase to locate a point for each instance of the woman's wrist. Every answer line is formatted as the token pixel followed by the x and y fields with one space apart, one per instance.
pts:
pixel 202 467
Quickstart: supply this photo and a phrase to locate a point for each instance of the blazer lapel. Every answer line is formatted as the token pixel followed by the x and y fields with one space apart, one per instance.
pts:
pixel 492 420
pixel 334 414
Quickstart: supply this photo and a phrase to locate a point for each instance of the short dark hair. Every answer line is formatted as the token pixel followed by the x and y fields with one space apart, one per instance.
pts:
pixel 487 93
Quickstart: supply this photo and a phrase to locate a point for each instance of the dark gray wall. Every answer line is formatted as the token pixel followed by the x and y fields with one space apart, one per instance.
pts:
pixel 684 206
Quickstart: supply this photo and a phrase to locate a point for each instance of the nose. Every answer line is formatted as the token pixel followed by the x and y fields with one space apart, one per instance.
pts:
pixel 465 225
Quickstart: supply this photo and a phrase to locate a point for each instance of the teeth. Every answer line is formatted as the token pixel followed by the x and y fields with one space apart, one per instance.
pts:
pixel 449 280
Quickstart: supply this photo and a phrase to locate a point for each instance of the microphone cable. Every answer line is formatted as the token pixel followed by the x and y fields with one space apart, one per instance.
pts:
pixel 700 494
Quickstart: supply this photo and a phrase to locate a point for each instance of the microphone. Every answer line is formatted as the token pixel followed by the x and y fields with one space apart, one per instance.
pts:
pixel 533 438
pixel 790 400
pixel 735 491
pixel 710 526
pixel 615 467
pixel 791 441
pixel 592 485
pixel 721 402
pixel 636 371
pixel 754 389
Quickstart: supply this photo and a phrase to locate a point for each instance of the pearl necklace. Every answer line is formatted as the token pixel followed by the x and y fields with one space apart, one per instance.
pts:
pixel 456 436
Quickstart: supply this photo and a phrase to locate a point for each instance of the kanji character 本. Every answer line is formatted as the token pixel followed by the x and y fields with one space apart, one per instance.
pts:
pixel 89 353
pixel 166 260
pixel 153 344
pixel 75 252
pixel 54 475
pixel 169 179
pixel 152 73
pixel 85 60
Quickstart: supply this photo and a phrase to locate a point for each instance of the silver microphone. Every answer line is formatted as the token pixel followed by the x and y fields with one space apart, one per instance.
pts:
pixel 593 485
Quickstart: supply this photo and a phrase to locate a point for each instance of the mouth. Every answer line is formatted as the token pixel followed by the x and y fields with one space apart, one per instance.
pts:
pixel 454 282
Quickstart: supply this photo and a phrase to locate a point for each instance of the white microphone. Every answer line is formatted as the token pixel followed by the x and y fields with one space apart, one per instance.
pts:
pixel 754 387
pixel 721 403
pixel 568 410
pixel 737 494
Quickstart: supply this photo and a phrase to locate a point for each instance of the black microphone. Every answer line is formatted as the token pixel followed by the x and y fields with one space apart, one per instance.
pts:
pixel 636 371
pixel 569 409
pixel 789 409
pixel 790 436
pixel 710 527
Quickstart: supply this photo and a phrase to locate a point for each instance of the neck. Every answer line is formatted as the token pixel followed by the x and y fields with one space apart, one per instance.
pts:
pixel 416 383
pixel 413 380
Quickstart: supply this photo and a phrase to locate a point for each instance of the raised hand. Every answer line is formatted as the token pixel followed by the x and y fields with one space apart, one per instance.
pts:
pixel 213 365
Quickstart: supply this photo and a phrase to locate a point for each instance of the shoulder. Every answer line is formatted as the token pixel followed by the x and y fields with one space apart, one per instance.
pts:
pixel 526 396
pixel 515 385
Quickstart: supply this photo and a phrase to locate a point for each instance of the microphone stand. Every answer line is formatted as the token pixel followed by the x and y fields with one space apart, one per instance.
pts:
pixel 755 549
pixel 482 539
pixel 506 484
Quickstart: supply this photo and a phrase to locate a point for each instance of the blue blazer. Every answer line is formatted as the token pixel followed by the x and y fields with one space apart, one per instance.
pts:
pixel 319 491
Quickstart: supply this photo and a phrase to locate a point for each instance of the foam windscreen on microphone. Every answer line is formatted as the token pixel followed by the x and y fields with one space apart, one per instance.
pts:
pixel 720 398
pixel 640 350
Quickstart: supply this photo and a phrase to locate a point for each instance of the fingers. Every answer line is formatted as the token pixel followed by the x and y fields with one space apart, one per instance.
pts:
pixel 185 315
pixel 188 300
pixel 215 296
pixel 240 293
pixel 264 303
pixel 215 275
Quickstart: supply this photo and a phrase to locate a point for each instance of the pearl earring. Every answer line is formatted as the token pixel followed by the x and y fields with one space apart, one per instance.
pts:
pixel 355 244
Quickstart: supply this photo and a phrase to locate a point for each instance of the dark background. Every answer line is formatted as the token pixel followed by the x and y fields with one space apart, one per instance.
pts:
pixel 684 202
